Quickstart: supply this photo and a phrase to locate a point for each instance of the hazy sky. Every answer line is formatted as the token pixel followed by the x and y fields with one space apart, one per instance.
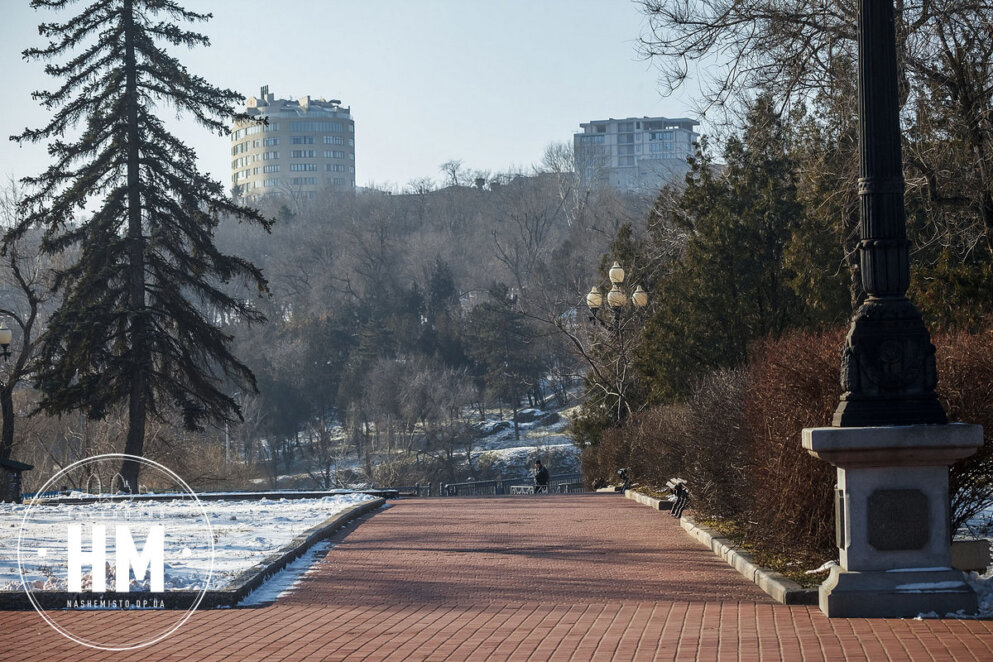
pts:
pixel 490 82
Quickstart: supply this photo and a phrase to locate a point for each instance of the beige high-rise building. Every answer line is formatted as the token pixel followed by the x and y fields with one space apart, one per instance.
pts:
pixel 307 146
pixel 635 153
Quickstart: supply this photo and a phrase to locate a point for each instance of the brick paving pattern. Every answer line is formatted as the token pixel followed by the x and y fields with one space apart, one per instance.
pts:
pixel 577 577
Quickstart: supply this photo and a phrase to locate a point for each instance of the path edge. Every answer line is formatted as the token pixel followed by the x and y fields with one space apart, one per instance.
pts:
pixel 780 588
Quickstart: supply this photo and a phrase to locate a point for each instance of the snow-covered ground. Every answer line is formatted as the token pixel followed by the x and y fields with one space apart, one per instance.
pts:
pixel 288 579
pixel 245 533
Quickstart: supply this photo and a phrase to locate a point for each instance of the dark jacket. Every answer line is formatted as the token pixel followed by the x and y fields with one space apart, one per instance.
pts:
pixel 541 476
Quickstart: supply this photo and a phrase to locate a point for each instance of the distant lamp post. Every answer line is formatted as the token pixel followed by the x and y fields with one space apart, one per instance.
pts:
pixel 617 298
pixel 6 336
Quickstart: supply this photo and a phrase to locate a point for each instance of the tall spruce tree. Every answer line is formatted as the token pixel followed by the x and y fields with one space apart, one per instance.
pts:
pixel 140 304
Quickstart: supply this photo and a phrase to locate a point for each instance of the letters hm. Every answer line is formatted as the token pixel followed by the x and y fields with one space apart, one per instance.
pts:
pixel 150 560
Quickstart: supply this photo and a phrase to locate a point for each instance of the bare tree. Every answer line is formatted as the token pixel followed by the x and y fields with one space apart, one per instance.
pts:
pixel 25 284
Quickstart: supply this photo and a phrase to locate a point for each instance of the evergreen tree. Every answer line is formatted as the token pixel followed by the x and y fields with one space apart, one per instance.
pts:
pixel 732 285
pixel 501 344
pixel 132 326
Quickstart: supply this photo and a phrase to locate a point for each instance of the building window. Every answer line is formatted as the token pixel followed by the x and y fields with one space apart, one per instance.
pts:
pixel 270 155
pixel 333 154
pixel 625 161
pixel 302 140
pixel 270 168
pixel 302 154
pixel 334 140
pixel 269 142
pixel 272 126
pixel 339 181
pixel 328 127
pixel 601 128
pixel 334 167
pixel 303 167
pixel 270 182
pixel 303 181
pixel 625 138
pixel 625 127
pixel 592 139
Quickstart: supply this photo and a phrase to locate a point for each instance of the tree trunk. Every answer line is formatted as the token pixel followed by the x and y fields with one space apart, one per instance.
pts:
pixel 137 322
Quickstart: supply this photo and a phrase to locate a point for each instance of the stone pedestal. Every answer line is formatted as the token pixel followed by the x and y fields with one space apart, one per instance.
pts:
pixel 893 519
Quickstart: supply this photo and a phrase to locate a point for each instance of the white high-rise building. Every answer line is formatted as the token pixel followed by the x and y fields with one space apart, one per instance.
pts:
pixel 308 145
pixel 635 153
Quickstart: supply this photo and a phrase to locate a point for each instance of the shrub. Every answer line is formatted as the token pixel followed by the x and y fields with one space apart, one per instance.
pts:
pixel 699 440
pixel 737 439
pixel 793 384
pixel 965 386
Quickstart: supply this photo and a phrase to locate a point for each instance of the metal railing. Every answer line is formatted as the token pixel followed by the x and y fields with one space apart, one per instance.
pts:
pixel 416 490
pixel 571 483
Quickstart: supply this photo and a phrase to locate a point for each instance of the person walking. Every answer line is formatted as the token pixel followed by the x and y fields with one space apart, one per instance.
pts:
pixel 540 478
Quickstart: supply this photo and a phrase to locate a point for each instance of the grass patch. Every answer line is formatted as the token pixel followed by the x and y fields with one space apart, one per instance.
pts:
pixel 791 563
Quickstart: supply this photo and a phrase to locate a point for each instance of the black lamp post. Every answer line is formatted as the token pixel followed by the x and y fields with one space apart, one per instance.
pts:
pixel 888 367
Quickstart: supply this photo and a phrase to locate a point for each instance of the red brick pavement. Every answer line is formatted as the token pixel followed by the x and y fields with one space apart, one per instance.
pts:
pixel 542 578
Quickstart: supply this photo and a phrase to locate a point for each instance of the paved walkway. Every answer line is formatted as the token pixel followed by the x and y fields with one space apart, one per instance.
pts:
pixel 544 578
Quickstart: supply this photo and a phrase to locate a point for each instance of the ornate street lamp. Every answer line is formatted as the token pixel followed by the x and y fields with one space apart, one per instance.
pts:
pixel 888 368
pixel 6 336
pixel 888 439
pixel 617 298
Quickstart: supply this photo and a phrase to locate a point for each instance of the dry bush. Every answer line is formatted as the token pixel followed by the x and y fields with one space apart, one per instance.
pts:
pixel 699 440
pixel 658 444
pixel 793 384
pixel 601 462
pixel 716 444
pixel 965 386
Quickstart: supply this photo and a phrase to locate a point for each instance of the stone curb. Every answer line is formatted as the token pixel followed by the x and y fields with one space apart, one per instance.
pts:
pixel 657 504
pixel 778 586
pixel 229 596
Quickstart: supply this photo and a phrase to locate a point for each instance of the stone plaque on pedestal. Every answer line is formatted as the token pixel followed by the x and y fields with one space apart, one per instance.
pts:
pixel 894 538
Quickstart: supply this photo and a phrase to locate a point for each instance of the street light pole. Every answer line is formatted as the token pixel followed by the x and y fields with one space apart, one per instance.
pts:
pixel 617 300
pixel 889 440
pixel 888 368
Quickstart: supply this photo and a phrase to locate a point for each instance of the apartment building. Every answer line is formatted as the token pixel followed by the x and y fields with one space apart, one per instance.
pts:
pixel 635 153
pixel 305 146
